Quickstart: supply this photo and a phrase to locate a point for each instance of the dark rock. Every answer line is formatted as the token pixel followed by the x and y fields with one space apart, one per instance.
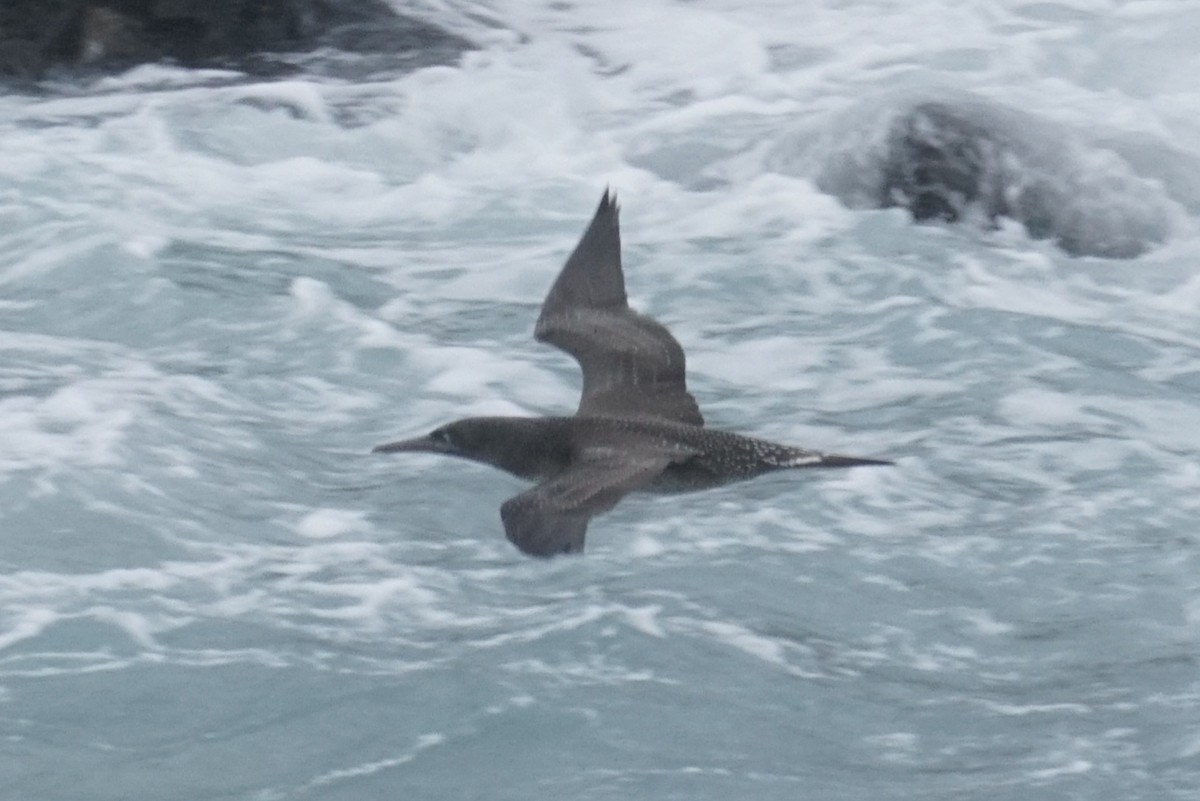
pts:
pixel 37 35
pixel 973 161
pixel 946 162
pixel 939 164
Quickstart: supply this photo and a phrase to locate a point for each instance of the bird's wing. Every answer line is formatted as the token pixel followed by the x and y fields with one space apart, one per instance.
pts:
pixel 552 517
pixel 632 366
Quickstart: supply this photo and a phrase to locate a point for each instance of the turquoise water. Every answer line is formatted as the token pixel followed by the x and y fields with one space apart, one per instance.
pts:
pixel 217 294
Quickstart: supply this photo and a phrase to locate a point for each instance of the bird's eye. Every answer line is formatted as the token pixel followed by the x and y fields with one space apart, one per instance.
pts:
pixel 441 435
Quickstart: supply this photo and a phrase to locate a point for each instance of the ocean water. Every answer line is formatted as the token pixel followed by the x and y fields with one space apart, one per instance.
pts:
pixel 218 293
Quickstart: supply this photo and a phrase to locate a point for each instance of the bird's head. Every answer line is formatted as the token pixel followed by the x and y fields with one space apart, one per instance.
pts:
pixel 460 438
pixel 519 445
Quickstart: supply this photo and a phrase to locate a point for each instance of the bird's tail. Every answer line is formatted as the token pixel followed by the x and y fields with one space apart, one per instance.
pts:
pixel 834 460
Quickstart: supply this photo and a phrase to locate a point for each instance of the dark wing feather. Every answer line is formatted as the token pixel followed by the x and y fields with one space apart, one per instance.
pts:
pixel 542 534
pixel 632 366
pixel 552 517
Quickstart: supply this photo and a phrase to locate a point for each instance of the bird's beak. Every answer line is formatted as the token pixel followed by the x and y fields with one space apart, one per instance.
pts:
pixel 417 445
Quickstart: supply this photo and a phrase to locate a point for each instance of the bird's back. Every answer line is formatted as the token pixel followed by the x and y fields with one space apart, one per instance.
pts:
pixel 700 457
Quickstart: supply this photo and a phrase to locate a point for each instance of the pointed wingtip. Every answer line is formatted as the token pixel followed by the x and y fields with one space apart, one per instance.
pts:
pixel 609 201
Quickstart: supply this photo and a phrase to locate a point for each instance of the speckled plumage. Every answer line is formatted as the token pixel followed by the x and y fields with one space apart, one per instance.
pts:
pixel 637 427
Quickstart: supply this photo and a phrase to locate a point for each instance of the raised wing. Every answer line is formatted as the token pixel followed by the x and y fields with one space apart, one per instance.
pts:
pixel 632 366
pixel 552 517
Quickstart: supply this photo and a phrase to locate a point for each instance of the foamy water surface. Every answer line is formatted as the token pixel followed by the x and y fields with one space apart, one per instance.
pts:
pixel 217 294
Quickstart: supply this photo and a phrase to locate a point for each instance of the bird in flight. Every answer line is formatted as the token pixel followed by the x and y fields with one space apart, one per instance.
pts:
pixel 637 427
